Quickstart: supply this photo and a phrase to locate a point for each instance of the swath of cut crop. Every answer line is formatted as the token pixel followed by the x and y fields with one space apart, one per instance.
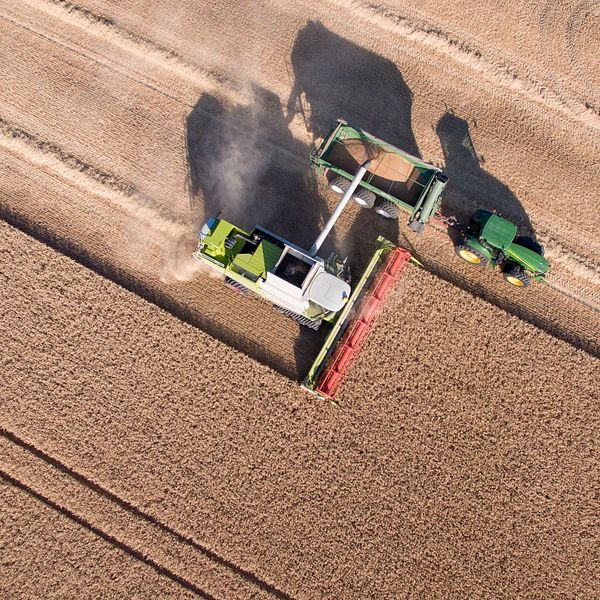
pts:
pixel 99 183
pixel 465 54
pixel 210 79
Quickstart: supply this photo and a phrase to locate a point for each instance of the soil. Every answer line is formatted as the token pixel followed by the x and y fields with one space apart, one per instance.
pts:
pixel 154 439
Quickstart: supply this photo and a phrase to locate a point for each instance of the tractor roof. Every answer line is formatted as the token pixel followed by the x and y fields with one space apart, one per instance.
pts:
pixel 498 232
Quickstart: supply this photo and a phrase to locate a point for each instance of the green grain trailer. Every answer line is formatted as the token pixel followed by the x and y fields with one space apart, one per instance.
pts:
pixel 395 180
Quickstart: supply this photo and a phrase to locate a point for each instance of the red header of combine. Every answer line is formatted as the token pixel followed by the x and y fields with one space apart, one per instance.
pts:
pixel 356 333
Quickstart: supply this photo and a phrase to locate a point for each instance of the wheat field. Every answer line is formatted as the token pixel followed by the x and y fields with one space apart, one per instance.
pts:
pixel 155 441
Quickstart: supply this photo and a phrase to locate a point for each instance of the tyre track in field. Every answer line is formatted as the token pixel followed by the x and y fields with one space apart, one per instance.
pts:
pixel 112 540
pixel 127 527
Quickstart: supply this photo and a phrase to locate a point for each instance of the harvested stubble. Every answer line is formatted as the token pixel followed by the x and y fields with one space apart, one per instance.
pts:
pixel 460 464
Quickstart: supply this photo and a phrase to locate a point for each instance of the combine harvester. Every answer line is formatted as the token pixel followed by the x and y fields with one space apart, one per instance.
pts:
pixel 306 288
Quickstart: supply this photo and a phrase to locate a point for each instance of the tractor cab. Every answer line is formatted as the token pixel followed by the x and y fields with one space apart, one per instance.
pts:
pixel 493 230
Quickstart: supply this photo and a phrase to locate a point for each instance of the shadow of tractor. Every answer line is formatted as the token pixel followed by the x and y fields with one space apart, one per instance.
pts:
pixel 471 187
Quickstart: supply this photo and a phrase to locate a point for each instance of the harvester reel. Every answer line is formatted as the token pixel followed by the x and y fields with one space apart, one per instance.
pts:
pixel 514 275
pixel 364 198
pixel 387 210
pixel 471 255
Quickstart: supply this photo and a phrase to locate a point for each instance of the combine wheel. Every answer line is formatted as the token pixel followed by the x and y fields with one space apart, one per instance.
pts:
pixel 471 255
pixel 387 210
pixel 530 243
pixel 514 275
pixel 339 184
pixel 364 198
pixel 235 286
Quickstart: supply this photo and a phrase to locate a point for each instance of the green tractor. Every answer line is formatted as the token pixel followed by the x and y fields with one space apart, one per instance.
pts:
pixel 491 240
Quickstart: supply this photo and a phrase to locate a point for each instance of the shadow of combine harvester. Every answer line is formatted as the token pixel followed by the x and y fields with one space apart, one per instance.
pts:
pixel 334 77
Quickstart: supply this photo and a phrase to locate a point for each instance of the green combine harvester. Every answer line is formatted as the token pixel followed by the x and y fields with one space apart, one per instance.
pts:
pixel 300 284
pixel 395 180
pixel 491 240
pixel 305 287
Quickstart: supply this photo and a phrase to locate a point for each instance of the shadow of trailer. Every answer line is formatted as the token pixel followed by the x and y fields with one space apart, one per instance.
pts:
pixel 395 179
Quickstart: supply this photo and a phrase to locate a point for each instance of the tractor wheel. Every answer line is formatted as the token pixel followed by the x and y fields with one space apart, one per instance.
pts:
pixel 514 275
pixel 387 210
pixel 471 255
pixel 364 198
pixel 339 184
pixel 530 243
pixel 235 286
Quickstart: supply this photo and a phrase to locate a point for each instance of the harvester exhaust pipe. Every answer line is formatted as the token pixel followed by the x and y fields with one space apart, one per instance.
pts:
pixel 340 207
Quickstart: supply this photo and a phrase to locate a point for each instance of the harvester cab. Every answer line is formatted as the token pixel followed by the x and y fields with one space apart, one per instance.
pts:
pixel 491 240
pixel 301 286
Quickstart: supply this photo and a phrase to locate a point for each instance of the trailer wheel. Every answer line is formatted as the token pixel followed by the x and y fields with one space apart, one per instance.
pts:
pixel 514 275
pixel 364 198
pixel 339 184
pixel 471 255
pixel 387 210
pixel 530 243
